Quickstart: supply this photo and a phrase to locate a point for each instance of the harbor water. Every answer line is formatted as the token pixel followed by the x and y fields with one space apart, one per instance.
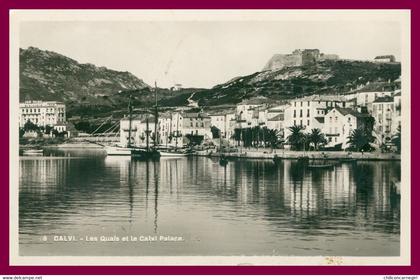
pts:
pixel 82 203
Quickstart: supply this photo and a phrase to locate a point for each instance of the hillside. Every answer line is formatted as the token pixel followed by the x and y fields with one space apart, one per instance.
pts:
pixel 326 77
pixel 85 88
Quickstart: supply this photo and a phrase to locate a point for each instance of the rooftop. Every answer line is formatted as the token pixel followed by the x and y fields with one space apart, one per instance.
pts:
pixel 348 111
pixel 384 57
pixel 340 98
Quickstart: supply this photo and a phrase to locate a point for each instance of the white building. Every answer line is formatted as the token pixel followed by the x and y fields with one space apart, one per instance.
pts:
pixel 42 113
pixel 396 120
pixel 385 58
pixel 172 128
pixel 140 127
pixel 197 123
pixel 365 99
pixel 339 124
pixel 309 112
pixel 225 122
pixel 383 112
pixel 277 123
pixel 247 114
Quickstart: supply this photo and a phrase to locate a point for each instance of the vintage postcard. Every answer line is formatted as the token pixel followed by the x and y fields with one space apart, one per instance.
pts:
pixel 210 137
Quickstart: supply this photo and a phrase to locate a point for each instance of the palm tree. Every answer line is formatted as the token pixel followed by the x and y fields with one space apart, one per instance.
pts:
pixel 317 138
pixel 237 136
pixel 396 139
pixel 359 140
pixel 297 137
pixel 273 137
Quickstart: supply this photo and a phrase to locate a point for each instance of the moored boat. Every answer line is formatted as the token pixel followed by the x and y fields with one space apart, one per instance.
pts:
pixel 34 152
pixel 321 166
pixel 223 161
pixel 276 159
pixel 118 151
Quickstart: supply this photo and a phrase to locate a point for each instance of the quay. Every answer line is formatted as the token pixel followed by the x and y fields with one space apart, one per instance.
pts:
pixel 288 154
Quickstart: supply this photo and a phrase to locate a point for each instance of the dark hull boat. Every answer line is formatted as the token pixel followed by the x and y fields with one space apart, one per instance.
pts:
pixel 145 154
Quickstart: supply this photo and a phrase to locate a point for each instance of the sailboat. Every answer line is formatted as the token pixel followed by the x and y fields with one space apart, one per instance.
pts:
pixel 131 150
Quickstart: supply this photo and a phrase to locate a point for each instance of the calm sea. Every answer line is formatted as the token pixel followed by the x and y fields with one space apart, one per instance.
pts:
pixel 83 203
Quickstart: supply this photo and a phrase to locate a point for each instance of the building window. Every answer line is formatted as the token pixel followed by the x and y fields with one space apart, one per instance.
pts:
pixel 308 103
pixel 294 122
pixel 308 122
pixel 301 123
pixel 294 113
pixel 301 113
pixel 307 114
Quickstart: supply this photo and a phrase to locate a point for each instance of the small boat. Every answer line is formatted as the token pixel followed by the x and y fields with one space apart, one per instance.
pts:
pixel 118 151
pixel 33 152
pixel 223 161
pixel 321 166
pixel 276 159
pixel 145 154
pixel 175 152
pixel 303 160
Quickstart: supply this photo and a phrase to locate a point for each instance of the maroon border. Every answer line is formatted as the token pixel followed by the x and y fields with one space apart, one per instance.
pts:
pixel 6 5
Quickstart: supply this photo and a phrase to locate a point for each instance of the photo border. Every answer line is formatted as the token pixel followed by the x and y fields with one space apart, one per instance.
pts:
pixel 4 241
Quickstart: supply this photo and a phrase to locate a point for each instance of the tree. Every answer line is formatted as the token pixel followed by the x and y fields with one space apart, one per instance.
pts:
pixel 237 135
pixel 48 129
pixel 29 126
pixel 297 137
pixel 215 131
pixel 396 139
pixel 273 138
pixel 360 140
pixel 317 138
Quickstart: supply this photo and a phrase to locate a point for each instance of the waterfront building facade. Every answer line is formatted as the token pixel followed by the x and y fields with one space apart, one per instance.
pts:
pixel 309 112
pixel 224 121
pixel 42 113
pixel 383 112
pixel 339 125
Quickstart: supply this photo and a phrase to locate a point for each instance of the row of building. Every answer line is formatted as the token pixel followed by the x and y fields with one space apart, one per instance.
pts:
pixel 335 115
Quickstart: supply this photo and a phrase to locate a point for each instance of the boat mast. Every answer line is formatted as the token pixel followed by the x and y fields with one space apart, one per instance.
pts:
pixel 130 112
pixel 177 131
pixel 155 140
pixel 147 132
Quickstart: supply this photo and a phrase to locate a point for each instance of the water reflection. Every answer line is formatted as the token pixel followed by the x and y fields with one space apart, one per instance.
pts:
pixel 246 207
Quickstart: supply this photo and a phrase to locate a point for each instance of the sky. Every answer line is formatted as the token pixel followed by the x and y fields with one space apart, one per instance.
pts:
pixel 205 53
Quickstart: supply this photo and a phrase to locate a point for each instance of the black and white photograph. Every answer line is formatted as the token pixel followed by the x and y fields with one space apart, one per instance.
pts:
pixel 210 137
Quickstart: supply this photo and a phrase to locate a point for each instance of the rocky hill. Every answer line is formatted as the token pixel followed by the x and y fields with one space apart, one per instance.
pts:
pixel 90 90
pixel 48 75
pixel 325 77
pixel 85 88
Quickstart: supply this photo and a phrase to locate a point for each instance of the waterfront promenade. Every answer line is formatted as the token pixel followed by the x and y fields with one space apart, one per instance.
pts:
pixel 266 153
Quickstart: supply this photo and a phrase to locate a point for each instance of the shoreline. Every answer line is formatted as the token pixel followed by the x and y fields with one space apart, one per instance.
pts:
pixel 287 154
pixel 253 153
